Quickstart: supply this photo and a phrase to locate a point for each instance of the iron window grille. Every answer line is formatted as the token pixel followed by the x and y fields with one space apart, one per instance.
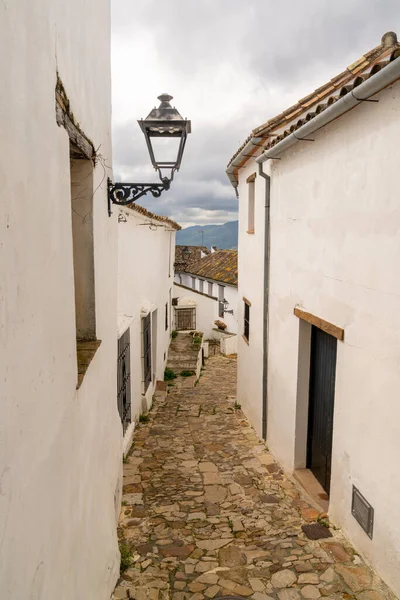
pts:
pixel 246 332
pixel 124 380
pixel 147 351
pixel 185 319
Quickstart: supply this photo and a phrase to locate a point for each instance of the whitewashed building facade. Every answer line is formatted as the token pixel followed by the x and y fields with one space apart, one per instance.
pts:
pixel 211 283
pixel 146 252
pixel 319 253
pixel 59 481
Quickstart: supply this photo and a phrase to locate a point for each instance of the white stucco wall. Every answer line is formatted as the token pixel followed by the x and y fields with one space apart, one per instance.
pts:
pixel 206 308
pixel 335 251
pixel 60 449
pixel 230 294
pixel 145 278
pixel 250 286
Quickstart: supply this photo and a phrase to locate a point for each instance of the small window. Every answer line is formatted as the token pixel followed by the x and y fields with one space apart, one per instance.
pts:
pixel 221 295
pixel 124 380
pixel 166 316
pixel 210 288
pixel 250 218
pixel 246 332
pixel 201 285
pixel 81 173
pixel 193 283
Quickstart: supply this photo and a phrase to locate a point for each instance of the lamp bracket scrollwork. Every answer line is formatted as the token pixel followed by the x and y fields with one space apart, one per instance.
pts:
pixel 127 193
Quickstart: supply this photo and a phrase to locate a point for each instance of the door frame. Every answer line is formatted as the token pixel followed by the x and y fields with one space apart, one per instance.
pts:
pixel 306 320
pixel 320 370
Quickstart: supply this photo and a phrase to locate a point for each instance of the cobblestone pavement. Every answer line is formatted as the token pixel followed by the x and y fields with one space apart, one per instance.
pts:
pixel 207 512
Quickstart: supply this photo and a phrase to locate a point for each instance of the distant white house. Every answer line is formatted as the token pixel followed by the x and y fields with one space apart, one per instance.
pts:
pixel 319 289
pixel 209 285
pixel 146 252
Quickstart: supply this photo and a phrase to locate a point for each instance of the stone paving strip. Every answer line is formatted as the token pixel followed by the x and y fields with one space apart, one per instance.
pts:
pixel 207 512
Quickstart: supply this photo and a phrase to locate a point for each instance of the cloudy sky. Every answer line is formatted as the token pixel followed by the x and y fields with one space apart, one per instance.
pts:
pixel 230 65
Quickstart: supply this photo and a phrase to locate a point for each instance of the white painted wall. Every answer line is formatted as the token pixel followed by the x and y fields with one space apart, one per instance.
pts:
pixel 145 278
pixel 230 294
pixel 335 251
pixel 228 344
pixel 206 308
pixel 250 286
pixel 60 449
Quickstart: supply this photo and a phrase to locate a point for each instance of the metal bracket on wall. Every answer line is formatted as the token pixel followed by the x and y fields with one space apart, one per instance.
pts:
pixel 123 194
pixel 364 99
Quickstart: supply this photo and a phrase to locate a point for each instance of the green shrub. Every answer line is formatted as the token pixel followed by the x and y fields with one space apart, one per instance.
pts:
pixel 174 334
pixel 169 374
pixel 126 556
pixel 187 373
pixel 143 418
pixel 197 340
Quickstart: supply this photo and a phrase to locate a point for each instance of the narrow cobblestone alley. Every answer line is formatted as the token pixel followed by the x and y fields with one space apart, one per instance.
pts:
pixel 207 512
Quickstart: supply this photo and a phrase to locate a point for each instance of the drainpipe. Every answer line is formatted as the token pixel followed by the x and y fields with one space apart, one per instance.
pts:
pixel 266 300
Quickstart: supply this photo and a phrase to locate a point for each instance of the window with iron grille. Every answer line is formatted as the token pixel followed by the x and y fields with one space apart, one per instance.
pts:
pixel 124 380
pixel 185 319
pixel 201 285
pixel 210 288
pixel 166 316
pixel 193 283
pixel 246 332
pixel 146 323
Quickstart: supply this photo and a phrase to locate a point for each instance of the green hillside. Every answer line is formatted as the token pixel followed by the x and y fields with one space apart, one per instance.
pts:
pixel 222 236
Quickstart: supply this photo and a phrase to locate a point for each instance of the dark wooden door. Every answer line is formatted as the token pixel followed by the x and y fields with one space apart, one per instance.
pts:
pixel 321 405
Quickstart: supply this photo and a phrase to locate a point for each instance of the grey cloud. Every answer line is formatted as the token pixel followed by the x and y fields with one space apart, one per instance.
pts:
pixel 280 52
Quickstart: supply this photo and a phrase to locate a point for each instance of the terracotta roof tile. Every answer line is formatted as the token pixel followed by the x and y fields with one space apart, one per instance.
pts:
pixel 321 98
pixel 146 213
pixel 182 263
pixel 221 265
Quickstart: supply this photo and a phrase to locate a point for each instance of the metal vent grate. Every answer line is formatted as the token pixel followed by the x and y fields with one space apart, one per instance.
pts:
pixel 362 511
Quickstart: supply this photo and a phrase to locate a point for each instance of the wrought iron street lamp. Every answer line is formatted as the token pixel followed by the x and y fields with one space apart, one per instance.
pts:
pixel 162 127
pixel 225 307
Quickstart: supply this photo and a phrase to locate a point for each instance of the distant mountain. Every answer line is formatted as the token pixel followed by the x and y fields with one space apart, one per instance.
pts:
pixel 224 237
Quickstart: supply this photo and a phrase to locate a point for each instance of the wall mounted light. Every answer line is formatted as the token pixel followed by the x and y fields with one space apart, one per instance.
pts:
pixel 225 306
pixel 163 129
